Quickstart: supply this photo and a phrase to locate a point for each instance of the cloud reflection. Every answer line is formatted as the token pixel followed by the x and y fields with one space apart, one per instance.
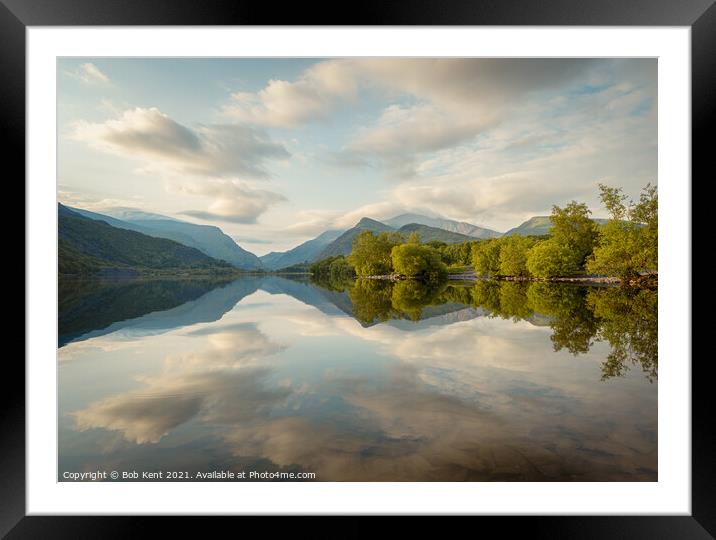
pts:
pixel 217 384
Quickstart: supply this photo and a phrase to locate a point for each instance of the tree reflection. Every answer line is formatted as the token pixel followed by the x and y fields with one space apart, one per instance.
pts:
pixel 333 282
pixel 629 322
pixel 486 294
pixel 410 297
pixel 372 300
pixel 578 315
pixel 573 324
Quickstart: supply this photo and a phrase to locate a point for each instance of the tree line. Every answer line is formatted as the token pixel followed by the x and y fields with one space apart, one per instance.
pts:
pixel 384 254
pixel 625 247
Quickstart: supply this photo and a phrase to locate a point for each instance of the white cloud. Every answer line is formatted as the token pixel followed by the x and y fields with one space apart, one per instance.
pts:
pixel 479 139
pixel 90 74
pixel 543 152
pixel 232 200
pixel 488 141
pixel 159 141
pixel 456 100
pixel 289 104
pixel 447 83
pixel 209 160
pixel 403 133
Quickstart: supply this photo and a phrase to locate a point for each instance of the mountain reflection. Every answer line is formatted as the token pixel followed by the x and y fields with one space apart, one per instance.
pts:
pixel 369 381
pixel 91 308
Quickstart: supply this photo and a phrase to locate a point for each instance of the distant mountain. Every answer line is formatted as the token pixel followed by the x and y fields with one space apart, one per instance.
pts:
pixel 302 253
pixel 132 214
pixel 344 243
pixel 269 259
pixel 208 239
pixel 539 225
pixel 88 246
pixel 428 234
pixel 534 226
pixel 109 220
pixel 446 224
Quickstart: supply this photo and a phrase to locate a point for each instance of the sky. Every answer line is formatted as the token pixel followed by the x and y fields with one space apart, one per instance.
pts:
pixel 276 151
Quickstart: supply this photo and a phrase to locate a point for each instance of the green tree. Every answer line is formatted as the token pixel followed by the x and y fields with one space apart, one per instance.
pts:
pixel 628 243
pixel 573 227
pixel 552 259
pixel 371 254
pixel 437 244
pixel 646 212
pixel 486 257
pixel 413 259
pixel 333 273
pixel 341 268
pixel 513 255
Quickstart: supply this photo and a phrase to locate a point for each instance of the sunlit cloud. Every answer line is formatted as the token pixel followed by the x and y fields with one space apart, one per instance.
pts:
pixel 232 200
pixel 214 160
pixel 207 150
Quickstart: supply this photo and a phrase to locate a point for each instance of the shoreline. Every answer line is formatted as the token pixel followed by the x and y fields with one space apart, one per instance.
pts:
pixel 647 281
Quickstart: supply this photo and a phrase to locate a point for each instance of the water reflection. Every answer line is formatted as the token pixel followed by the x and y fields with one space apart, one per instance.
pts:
pixel 577 315
pixel 370 380
pixel 92 308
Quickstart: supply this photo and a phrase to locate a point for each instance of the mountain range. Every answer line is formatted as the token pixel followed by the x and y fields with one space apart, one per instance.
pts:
pixel 208 239
pixel 90 246
pixel 218 246
pixel 303 253
pixel 344 243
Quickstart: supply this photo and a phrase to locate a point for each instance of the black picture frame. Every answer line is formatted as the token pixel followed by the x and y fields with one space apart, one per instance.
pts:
pixel 699 15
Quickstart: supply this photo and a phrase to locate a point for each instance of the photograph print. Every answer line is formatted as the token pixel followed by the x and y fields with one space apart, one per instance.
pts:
pixel 357 269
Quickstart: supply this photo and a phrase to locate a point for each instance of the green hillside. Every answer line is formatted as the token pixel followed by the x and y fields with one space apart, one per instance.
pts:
pixel 87 246
pixel 210 240
pixel 428 234
pixel 535 226
pixel 539 225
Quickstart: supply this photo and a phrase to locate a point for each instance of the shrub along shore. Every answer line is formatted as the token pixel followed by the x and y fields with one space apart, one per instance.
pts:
pixel 577 249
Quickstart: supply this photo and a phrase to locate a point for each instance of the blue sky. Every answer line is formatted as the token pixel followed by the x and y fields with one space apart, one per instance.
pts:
pixel 274 151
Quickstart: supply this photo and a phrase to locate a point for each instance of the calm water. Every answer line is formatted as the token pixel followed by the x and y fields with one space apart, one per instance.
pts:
pixel 364 381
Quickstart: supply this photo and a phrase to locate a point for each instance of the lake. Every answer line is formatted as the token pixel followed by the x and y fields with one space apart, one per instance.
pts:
pixel 358 380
